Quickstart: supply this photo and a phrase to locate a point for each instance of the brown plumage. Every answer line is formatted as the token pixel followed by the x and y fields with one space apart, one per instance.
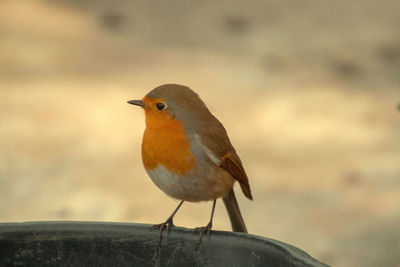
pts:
pixel 187 152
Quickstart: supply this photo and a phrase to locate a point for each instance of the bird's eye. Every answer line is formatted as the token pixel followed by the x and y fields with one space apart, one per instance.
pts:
pixel 160 106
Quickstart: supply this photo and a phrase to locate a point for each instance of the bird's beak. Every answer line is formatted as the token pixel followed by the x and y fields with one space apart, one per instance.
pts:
pixel 136 102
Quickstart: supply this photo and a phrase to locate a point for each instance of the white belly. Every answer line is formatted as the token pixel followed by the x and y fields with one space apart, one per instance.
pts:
pixel 194 187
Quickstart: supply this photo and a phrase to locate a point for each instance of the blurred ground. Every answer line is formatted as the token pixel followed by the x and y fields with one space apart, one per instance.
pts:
pixel 307 91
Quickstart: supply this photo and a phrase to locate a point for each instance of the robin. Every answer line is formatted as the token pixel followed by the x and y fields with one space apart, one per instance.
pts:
pixel 187 153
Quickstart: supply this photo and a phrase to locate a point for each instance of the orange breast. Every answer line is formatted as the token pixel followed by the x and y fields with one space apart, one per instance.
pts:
pixel 165 143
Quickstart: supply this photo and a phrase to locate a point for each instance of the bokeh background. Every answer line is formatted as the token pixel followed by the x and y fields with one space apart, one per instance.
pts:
pixel 308 91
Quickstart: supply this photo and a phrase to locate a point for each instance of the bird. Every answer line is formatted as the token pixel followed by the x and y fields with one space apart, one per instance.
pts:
pixel 187 153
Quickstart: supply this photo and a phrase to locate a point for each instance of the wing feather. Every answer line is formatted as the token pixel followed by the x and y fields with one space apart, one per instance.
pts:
pixel 215 138
pixel 232 163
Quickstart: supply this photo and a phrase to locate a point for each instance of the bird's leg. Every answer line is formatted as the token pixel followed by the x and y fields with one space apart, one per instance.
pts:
pixel 168 223
pixel 207 228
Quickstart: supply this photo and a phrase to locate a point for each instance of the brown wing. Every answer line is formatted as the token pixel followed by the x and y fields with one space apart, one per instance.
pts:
pixel 214 136
pixel 232 163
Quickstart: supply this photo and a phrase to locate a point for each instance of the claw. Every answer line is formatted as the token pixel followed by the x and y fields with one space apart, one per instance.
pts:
pixel 165 225
pixel 204 229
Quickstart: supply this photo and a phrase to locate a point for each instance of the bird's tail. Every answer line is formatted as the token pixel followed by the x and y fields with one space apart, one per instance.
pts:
pixel 235 216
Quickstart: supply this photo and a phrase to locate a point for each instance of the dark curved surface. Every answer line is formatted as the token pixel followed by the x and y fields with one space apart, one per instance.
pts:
pixel 126 244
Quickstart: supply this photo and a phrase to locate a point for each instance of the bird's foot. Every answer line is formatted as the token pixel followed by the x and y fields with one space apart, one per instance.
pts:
pixel 203 230
pixel 167 225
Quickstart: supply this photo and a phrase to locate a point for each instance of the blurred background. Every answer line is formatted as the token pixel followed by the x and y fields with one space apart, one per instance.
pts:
pixel 308 91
